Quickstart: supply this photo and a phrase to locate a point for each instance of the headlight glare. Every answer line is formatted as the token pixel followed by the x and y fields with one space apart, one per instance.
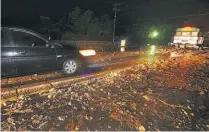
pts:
pixel 87 52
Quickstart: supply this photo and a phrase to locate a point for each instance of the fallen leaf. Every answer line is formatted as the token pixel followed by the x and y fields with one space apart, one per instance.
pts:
pixel 76 128
pixel 133 106
pixel 18 111
pixel 42 124
pixel 158 130
pixel 185 112
pixel 192 114
pixel 70 126
pixel 52 89
pixel 149 91
pixel 201 92
pixel 61 118
pixel 50 96
pixel 51 107
pixel 7 110
pixel 2 101
pixel 23 111
pixel 140 128
pixel 113 116
pixel 35 121
pixel 10 120
pixel 88 117
pixel 146 98
pixel 43 94
pixel 10 81
pixel 21 129
pixel 38 105
pixel 189 107
pixel 70 103
pixel 121 103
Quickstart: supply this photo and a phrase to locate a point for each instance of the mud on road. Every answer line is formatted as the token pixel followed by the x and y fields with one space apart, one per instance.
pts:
pixel 158 94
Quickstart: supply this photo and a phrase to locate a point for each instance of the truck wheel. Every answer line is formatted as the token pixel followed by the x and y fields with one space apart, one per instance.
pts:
pixel 200 47
pixel 179 47
pixel 70 66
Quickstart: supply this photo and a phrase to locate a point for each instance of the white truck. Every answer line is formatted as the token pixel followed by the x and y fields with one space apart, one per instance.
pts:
pixel 188 37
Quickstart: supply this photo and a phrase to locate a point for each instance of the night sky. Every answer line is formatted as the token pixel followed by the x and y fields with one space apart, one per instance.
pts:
pixel 26 13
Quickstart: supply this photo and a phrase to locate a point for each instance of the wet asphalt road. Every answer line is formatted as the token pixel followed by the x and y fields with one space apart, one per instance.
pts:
pixel 140 94
pixel 91 68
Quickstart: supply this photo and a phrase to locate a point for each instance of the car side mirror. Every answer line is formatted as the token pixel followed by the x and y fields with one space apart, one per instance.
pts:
pixel 48 45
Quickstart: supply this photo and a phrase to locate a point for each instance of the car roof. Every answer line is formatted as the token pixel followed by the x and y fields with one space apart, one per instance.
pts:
pixel 24 30
pixel 19 29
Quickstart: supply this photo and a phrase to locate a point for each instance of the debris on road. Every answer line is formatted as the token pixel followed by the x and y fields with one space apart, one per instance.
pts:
pixel 158 95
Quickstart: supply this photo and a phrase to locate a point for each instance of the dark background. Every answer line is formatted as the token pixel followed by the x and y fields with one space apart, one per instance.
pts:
pixel 26 13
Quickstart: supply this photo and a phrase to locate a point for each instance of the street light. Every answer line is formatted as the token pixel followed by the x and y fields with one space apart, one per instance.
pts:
pixel 154 34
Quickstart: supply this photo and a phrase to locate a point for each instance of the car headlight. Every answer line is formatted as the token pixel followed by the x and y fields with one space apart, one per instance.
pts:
pixel 87 52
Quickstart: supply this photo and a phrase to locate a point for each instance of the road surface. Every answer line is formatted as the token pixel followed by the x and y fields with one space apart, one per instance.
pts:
pixel 144 93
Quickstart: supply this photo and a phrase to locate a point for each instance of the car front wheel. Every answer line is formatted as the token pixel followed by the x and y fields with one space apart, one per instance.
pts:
pixel 70 66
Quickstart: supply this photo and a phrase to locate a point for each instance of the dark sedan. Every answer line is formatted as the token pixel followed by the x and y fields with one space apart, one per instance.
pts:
pixel 26 52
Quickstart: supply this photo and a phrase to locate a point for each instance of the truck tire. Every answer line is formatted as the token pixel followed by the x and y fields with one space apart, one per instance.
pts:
pixel 200 47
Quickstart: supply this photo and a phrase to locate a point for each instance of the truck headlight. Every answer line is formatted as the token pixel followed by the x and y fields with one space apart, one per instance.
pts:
pixel 87 52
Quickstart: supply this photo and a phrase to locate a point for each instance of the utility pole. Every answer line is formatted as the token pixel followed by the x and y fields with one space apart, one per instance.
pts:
pixel 115 9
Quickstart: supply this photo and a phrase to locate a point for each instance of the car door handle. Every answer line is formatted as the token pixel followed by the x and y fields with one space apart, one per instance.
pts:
pixel 22 52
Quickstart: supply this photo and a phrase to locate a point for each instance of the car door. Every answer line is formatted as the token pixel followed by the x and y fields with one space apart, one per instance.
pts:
pixel 33 53
pixel 8 66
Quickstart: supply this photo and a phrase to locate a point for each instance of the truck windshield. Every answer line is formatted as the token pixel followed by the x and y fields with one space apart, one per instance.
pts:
pixel 187 34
